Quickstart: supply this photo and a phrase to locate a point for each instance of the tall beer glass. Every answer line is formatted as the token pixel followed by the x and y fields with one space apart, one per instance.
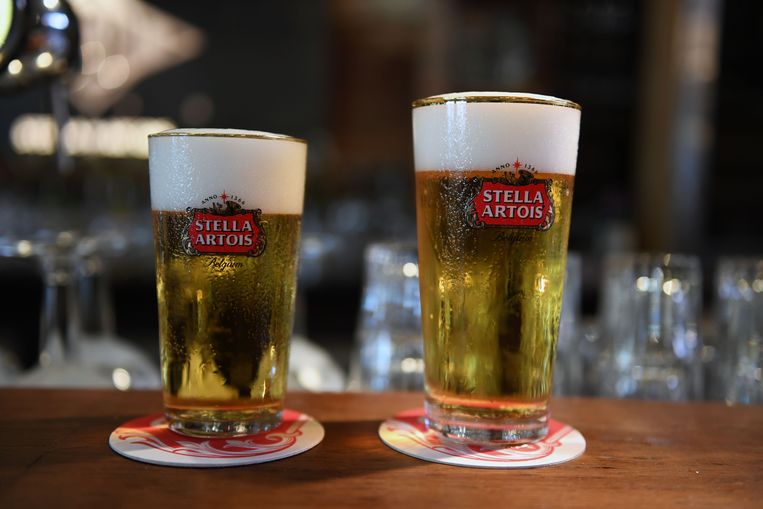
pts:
pixel 227 208
pixel 494 176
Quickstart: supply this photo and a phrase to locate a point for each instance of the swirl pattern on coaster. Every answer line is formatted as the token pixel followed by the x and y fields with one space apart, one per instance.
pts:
pixel 407 433
pixel 148 439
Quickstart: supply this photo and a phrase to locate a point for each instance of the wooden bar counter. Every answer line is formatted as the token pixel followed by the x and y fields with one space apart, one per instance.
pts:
pixel 54 453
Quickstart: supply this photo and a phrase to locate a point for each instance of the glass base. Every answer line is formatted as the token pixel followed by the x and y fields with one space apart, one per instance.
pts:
pixel 477 426
pixel 221 423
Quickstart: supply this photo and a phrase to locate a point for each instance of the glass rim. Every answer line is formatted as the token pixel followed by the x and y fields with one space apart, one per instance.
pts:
pixel 667 259
pixel 741 259
pixel 220 133
pixel 731 263
pixel 495 97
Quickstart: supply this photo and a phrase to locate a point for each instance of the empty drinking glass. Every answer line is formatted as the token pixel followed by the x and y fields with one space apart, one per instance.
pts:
pixel 650 324
pixel 568 368
pixel 738 366
pixel 389 344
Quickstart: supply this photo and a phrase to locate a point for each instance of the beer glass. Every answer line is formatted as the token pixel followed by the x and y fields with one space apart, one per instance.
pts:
pixel 649 319
pixel 739 315
pixel 494 177
pixel 227 208
pixel 389 347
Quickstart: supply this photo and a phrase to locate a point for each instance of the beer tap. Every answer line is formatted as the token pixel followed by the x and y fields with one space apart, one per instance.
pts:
pixel 39 46
pixel 39 43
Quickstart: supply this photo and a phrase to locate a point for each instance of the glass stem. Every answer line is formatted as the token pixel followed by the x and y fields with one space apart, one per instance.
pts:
pixel 59 323
pixel 95 306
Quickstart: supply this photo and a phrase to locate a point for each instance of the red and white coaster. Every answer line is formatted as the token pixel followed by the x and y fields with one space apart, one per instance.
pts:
pixel 407 433
pixel 149 439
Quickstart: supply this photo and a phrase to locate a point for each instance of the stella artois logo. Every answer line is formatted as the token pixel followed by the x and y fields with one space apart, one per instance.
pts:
pixel 225 227
pixel 514 198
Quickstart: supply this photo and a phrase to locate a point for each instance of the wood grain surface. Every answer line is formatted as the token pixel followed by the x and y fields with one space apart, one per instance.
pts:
pixel 54 453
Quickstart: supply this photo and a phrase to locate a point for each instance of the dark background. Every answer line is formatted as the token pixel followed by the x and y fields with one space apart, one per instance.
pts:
pixel 342 74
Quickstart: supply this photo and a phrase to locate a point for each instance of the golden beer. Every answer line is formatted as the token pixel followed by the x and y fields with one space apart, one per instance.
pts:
pixel 492 300
pixel 225 322
pixel 492 235
pixel 227 214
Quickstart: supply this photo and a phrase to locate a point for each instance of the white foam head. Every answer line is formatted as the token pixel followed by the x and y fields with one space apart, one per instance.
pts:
pixel 484 130
pixel 265 170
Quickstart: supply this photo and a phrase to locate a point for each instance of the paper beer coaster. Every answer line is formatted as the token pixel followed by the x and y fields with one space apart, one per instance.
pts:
pixel 407 433
pixel 149 439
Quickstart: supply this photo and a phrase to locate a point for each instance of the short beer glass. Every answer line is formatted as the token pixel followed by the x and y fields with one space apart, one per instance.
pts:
pixel 494 178
pixel 227 208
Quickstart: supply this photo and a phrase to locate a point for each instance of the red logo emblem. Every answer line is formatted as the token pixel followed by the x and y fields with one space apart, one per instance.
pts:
pixel 517 200
pixel 224 229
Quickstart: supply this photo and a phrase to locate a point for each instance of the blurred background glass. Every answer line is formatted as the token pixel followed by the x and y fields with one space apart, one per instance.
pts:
pixel 672 113
pixel 569 369
pixel 389 352
pixel 649 324
pixel 737 373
